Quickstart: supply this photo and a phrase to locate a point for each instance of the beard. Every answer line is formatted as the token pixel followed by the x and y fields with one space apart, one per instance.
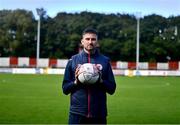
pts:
pixel 90 49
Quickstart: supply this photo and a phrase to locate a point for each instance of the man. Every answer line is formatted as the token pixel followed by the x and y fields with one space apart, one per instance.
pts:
pixel 88 102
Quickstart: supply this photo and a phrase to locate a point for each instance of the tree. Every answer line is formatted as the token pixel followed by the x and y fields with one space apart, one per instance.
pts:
pixel 61 35
pixel 17 32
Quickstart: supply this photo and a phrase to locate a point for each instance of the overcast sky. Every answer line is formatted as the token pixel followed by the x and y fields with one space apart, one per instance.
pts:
pixel 165 8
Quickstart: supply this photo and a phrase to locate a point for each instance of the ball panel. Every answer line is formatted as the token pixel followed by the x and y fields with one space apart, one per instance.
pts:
pixel 88 74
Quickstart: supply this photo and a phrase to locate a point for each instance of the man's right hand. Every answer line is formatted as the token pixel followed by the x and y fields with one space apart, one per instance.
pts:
pixel 77 74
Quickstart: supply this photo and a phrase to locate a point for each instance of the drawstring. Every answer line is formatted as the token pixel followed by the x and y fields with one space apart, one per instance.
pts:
pixel 89 61
pixel 89 58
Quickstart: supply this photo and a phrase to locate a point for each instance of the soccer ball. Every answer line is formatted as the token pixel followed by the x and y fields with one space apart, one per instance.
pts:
pixel 88 73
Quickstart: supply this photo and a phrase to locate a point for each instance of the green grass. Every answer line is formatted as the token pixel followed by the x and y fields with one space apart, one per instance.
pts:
pixel 152 100
pixel 38 99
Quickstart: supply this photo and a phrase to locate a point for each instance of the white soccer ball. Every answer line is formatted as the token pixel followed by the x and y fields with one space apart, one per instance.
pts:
pixel 88 73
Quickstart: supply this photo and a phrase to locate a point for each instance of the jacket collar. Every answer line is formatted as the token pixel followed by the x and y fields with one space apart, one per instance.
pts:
pixel 92 55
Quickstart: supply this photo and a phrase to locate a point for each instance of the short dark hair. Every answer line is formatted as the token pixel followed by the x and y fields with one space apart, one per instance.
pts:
pixel 90 30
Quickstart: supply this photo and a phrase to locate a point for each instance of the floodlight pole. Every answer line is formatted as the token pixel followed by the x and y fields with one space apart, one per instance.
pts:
pixel 38 42
pixel 39 13
pixel 137 42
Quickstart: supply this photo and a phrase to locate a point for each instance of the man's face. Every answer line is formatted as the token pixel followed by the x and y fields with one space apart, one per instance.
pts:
pixel 89 41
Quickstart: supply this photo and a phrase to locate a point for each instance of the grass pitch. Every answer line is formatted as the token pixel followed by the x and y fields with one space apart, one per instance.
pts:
pixel 38 99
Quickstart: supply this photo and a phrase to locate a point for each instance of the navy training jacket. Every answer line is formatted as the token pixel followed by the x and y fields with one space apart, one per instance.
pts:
pixel 89 100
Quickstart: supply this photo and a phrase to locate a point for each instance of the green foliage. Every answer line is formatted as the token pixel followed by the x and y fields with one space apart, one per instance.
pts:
pixel 61 35
pixel 17 33
pixel 110 48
